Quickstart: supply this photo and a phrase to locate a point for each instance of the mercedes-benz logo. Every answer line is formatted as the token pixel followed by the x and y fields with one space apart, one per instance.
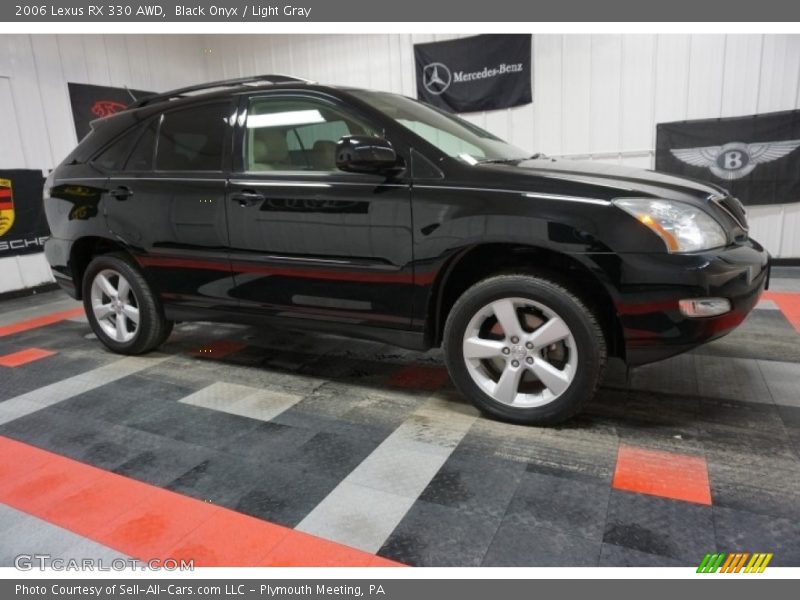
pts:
pixel 436 78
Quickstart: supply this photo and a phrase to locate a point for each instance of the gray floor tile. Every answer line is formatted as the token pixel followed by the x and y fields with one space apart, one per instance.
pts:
pixel 433 535
pixel 560 504
pixel 741 531
pixel 529 546
pixel 731 378
pixel 475 485
pixel 679 530
pixel 612 555
pixel 783 381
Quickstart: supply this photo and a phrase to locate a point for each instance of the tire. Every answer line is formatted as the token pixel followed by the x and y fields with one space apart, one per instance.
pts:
pixel 106 304
pixel 544 377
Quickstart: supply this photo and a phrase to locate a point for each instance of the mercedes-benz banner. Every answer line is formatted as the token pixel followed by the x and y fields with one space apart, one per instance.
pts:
pixel 483 72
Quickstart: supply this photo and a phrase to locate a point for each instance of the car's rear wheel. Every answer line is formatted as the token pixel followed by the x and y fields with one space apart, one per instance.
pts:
pixel 122 309
pixel 524 349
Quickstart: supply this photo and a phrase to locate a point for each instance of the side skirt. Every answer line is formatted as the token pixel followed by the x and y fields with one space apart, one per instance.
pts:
pixel 410 340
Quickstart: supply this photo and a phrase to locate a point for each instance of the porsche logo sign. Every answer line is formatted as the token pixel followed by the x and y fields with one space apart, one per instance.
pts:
pixel 6 206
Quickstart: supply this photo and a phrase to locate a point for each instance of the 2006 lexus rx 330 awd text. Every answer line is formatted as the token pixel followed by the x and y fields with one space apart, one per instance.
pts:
pixel 278 201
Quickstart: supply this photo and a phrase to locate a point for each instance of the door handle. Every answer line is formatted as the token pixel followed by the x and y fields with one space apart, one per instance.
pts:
pixel 248 197
pixel 122 192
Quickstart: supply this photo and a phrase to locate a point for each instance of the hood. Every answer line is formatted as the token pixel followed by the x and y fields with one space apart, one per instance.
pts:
pixel 614 180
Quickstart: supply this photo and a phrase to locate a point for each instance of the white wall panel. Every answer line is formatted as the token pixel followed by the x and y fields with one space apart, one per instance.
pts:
pixel 790 238
pixel 34 100
pixel 11 149
pixel 706 69
pixel 605 102
pixel 576 93
pixel 740 88
pixel 548 68
pixel 779 84
pixel 673 54
pixel 637 92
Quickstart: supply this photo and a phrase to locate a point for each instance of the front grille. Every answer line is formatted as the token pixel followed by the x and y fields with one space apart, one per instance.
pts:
pixel 733 208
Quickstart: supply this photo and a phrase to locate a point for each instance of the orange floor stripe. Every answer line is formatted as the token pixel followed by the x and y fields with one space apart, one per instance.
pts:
pixel 41 321
pixel 664 474
pixel 23 357
pixel 789 303
pixel 148 522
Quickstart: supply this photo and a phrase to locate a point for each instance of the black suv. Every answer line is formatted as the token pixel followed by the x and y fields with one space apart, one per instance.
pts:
pixel 275 200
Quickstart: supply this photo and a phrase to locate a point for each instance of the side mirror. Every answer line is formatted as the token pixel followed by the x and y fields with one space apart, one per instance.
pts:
pixel 366 154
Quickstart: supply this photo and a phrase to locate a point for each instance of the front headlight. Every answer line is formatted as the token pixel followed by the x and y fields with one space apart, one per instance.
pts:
pixel 682 227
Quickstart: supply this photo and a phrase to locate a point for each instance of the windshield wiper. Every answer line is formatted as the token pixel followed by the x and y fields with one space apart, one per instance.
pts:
pixel 490 161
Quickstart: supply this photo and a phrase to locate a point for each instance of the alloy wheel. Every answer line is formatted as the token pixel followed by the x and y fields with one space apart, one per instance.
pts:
pixel 114 305
pixel 520 352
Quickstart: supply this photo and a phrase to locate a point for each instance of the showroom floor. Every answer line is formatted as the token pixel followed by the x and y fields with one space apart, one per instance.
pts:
pixel 238 446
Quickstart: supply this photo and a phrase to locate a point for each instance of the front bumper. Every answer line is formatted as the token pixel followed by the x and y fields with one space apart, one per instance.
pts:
pixel 650 287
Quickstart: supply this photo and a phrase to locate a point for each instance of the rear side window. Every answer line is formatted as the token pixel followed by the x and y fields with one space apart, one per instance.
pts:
pixel 113 157
pixel 192 139
pixel 141 159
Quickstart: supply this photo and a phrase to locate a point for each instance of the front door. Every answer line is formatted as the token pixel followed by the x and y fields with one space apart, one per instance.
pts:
pixel 307 240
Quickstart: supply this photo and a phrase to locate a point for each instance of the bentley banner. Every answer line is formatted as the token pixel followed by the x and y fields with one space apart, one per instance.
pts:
pixel 756 158
pixel 483 72
pixel 23 228
pixel 90 102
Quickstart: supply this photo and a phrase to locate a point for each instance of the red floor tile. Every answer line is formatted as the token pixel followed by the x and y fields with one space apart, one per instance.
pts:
pixel 149 529
pixel 91 507
pixel 217 349
pixel 148 522
pixel 209 545
pixel 664 474
pixel 40 321
pixel 45 486
pixel 23 357
pixel 420 378
pixel 789 303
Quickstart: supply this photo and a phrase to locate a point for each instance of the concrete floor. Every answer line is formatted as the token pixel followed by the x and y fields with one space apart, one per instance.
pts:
pixel 332 451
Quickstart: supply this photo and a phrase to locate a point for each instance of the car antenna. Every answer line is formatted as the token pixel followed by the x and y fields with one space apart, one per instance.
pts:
pixel 131 94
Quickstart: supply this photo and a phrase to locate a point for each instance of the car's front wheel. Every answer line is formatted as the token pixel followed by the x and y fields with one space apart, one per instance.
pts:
pixel 524 349
pixel 122 309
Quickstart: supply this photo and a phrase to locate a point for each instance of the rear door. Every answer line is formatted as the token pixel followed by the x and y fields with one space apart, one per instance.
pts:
pixel 307 240
pixel 168 205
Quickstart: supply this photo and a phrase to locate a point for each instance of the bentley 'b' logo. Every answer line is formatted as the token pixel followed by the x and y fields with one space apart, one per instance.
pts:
pixel 6 206
pixel 735 159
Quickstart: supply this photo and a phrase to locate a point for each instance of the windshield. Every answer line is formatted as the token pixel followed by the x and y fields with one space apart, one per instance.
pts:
pixel 452 135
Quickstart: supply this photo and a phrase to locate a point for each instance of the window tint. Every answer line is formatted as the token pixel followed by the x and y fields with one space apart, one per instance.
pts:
pixel 141 159
pixel 113 157
pixel 192 139
pixel 296 134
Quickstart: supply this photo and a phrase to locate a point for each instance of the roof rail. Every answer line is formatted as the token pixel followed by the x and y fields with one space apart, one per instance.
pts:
pixel 218 84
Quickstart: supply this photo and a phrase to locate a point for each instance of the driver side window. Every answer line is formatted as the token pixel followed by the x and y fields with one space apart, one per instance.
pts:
pixel 297 134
